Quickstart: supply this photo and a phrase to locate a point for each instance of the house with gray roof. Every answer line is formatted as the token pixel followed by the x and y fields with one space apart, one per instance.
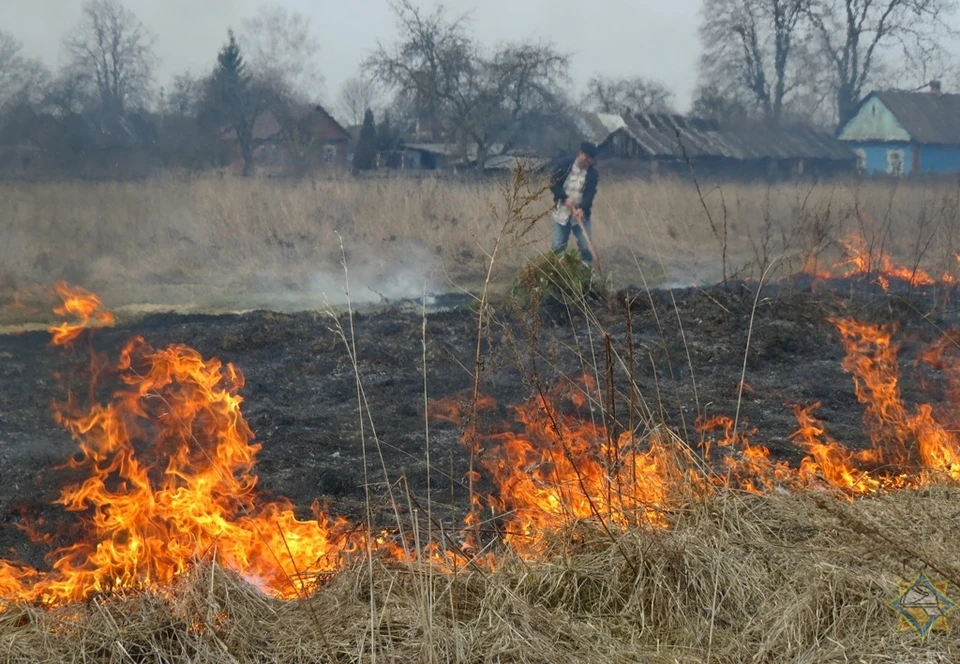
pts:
pixel 659 143
pixel 906 133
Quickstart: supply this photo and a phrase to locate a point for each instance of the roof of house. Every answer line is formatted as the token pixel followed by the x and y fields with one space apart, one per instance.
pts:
pixel 508 162
pixel 325 125
pixel 659 135
pixel 926 117
pixel 445 149
pixel 312 118
pixel 454 151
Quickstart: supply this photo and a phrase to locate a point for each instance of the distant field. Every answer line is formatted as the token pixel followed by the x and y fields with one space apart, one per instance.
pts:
pixel 230 242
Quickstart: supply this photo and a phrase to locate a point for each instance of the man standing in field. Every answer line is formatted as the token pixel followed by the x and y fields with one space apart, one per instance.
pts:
pixel 574 186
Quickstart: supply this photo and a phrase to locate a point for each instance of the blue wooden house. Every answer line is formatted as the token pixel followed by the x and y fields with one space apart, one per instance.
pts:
pixel 905 133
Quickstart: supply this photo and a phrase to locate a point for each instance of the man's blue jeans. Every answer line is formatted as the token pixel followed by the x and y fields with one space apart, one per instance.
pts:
pixel 561 236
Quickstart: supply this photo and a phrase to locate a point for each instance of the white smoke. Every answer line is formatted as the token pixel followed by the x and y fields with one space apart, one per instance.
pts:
pixel 407 274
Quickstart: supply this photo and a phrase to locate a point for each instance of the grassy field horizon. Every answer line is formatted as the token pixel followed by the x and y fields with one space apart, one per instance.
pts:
pixel 215 242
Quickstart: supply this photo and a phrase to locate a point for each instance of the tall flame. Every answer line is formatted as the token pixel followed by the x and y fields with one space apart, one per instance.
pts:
pixel 910 442
pixel 562 468
pixel 907 449
pixel 168 474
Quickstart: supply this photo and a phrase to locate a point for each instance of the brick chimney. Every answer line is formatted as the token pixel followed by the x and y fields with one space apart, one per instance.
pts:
pixel 935 88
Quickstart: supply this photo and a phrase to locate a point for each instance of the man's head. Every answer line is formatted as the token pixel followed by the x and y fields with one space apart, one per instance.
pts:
pixel 588 154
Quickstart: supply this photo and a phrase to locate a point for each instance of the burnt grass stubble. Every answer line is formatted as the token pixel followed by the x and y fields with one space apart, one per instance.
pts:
pixel 300 396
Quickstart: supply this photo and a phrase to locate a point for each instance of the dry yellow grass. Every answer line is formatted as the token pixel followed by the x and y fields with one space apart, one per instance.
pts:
pixel 215 240
pixel 801 578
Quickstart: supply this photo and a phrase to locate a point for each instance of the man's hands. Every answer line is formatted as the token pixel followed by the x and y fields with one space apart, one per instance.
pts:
pixel 577 212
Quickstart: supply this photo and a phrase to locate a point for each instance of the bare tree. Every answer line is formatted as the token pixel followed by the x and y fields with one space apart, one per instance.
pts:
pixel 726 108
pixel 282 48
pixel 401 109
pixel 430 67
pixel 184 95
pixel 752 44
pixel 113 49
pixel 531 79
pixel 627 95
pixel 857 34
pixel 468 94
pixel 69 92
pixel 22 79
pixel 357 94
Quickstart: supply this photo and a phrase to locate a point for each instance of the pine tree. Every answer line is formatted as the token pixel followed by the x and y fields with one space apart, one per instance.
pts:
pixel 229 102
pixel 365 156
pixel 230 64
pixel 226 98
pixel 385 134
pixel 228 85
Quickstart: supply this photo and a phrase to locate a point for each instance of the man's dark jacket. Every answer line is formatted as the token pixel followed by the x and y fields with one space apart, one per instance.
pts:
pixel 559 178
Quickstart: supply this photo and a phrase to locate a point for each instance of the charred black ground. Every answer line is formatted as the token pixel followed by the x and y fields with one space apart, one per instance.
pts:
pixel 301 393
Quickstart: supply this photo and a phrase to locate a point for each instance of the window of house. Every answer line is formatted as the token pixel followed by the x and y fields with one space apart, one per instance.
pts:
pixel 330 154
pixel 895 162
pixel 861 159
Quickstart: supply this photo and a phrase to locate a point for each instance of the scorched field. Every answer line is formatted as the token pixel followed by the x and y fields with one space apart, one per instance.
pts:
pixel 760 470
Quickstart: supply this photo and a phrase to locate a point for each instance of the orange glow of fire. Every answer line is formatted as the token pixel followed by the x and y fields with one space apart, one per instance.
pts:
pixel 907 449
pixel 562 469
pixel 910 442
pixel 167 465
pixel 828 461
pixel 743 464
pixel 863 260
pixel 84 305
pixel 167 471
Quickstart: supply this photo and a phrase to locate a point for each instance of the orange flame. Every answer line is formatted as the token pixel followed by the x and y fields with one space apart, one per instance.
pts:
pixel 168 478
pixel 745 465
pixel 828 460
pixel 907 449
pixel 83 304
pixel 864 260
pixel 561 469
pixel 900 439
pixel 168 462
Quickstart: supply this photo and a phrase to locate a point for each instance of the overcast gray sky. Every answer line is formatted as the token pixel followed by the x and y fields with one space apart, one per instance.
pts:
pixel 652 38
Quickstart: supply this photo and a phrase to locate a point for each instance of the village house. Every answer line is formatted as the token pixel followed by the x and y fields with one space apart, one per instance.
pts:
pixel 659 143
pixel 906 133
pixel 306 138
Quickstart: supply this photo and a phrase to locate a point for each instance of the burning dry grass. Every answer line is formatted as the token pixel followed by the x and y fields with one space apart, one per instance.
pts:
pixel 736 578
pixel 686 563
pixel 217 240
pixel 594 563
